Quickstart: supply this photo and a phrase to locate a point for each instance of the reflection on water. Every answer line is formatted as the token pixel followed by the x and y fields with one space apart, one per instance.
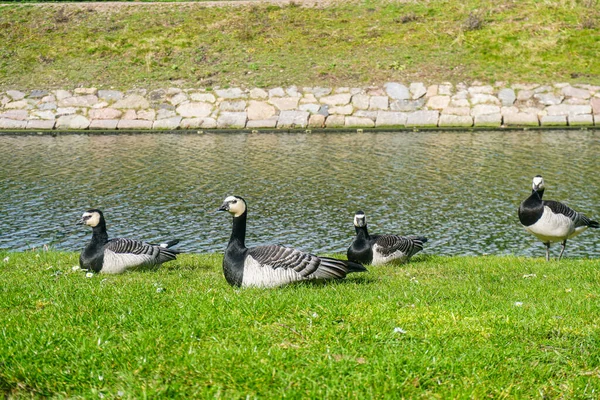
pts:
pixel 461 190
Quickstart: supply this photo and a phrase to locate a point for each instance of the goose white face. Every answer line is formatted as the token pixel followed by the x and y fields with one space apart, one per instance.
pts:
pixel 234 205
pixel 538 183
pixel 360 219
pixel 90 218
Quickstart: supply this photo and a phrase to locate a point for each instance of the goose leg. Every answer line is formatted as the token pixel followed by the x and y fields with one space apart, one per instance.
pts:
pixel 548 251
pixel 564 244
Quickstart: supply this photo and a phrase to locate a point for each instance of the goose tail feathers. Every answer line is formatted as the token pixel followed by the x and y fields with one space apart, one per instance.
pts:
pixel 334 268
pixel 594 224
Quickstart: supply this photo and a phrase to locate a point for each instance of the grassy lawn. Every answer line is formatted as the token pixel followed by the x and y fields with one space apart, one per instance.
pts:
pixel 350 43
pixel 440 327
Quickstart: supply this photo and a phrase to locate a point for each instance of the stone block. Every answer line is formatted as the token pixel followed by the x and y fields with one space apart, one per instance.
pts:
pixel 595 103
pixel 340 99
pixel 507 96
pixel 463 111
pixel 133 101
pixel 448 120
pixel 379 103
pixel 15 94
pixel 423 118
pixel 524 95
pixel 483 109
pixel 391 118
pixel 233 120
pixel 361 101
pixel 81 90
pixel 149 114
pixel 480 98
pixel 43 114
pixel 520 119
pixel 134 124
pixel 44 124
pixel 570 91
pixel 293 119
pixel 488 120
pixel 260 110
pixel 316 121
pixel 233 105
pixel 168 123
pixel 202 97
pixel 342 110
pixel 191 123
pixel 548 99
pixel 311 108
pixel 6 123
pixel 580 120
pixel 285 103
pixel 105 113
pixel 362 122
pixel 104 124
pixel 17 104
pixel 397 91
pixel 257 93
pixel 553 120
pixel 262 123
pixel 335 121
pixel 233 93
pixel 407 105
pixel 72 121
pixel 178 98
pixel 438 102
pixel 277 92
pixel 417 90
pixel 20 115
pixel 567 109
pixel 195 110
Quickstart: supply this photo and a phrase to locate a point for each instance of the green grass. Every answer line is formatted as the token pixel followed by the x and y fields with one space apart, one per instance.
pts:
pixel 440 327
pixel 355 43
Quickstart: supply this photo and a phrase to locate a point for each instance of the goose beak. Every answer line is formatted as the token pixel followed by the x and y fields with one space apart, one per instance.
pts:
pixel 80 222
pixel 224 207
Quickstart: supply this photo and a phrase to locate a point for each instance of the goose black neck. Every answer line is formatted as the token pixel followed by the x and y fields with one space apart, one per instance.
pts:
pixel 99 233
pixel 362 232
pixel 238 232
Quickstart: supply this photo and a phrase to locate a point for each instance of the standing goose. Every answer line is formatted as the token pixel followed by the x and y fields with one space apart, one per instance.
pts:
pixel 381 249
pixel 118 255
pixel 551 221
pixel 272 265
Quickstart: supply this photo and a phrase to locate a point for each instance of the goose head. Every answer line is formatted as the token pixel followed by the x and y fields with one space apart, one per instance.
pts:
pixel 360 219
pixel 234 205
pixel 538 184
pixel 91 218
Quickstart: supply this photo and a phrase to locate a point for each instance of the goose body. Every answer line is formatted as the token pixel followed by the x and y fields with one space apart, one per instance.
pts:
pixel 551 221
pixel 381 249
pixel 118 255
pixel 272 265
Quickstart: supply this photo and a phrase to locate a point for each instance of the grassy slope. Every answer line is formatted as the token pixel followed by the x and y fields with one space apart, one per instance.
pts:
pixel 473 327
pixel 349 44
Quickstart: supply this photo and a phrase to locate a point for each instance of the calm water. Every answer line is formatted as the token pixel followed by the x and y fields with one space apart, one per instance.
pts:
pixel 461 190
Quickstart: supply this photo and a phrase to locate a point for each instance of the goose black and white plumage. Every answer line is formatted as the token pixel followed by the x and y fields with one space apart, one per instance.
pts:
pixel 118 255
pixel 381 249
pixel 272 265
pixel 551 221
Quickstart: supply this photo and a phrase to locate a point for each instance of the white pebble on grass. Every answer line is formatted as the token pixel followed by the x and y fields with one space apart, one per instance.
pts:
pixel 399 330
pixel 6 259
pixel 518 303
pixel 75 268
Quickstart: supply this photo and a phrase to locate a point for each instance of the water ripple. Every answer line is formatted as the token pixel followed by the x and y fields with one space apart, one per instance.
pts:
pixel 461 190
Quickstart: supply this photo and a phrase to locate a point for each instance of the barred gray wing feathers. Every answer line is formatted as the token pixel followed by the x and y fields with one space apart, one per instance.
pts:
pixel 389 244
pixel 276 256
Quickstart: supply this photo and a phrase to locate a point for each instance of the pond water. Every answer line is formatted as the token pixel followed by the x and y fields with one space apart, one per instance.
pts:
pixel 461 190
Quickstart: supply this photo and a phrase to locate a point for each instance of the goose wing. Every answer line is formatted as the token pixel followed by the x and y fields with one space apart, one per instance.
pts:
pixel 389 244
pixel 293 262
pixel 120 254
pixel 561 208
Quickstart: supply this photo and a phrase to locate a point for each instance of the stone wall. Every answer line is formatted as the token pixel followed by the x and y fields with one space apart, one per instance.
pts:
pixel 394 105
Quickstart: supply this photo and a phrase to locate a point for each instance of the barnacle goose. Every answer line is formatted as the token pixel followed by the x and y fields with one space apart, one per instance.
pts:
pixel 118 255
pixel 551 221
pixel 272 265
pixel 381 249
